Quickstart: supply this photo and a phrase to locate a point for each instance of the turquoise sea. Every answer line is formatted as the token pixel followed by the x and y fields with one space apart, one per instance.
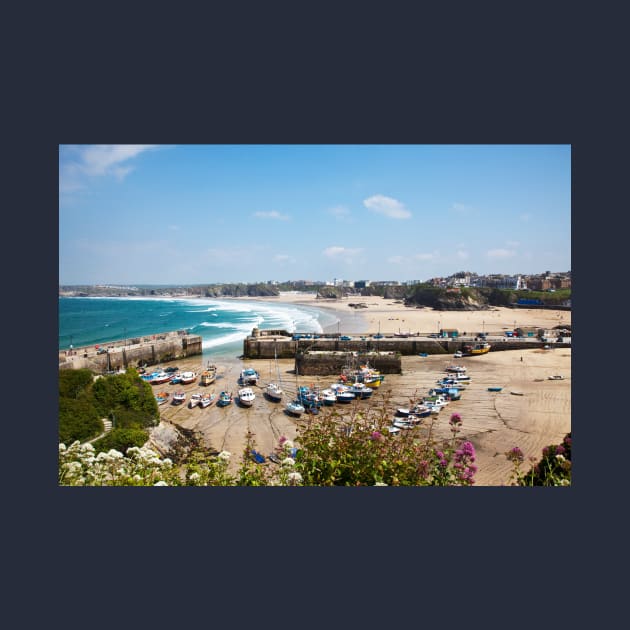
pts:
pixel 222 324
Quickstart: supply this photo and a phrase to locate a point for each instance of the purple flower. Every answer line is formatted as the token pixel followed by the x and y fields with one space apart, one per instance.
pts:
pixel 515 455
pixel 560 449
pixel 376 435
pixel 455 419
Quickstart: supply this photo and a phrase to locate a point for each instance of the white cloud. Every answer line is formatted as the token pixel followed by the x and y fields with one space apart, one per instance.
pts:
pixel 79 164
pixel 500 253
pixel 284 258
pixel 341 213
pixel 462 253
pixel 461 208
pixel 273 214
pixel 336 251
pixel 387 206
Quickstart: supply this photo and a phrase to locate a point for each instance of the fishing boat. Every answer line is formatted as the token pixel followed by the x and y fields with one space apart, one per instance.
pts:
pixel 207 399
pixel 187 377
pixel 249 376
pixel 176 379
pixel 393 430
pixel 516 393
pixel 225 398
pixel 556 377
pixel 477 349
pixel 295 407
pixel 208 375
pixel 195 399
pixel 345 396
pixel 460 369
pixel 274 389
pixel 328 396
pixel 404 423
pixel 360 390
pixel 179 397
pixel 458 354
pixel 162 397
pixel 495 389
pixel 246 396
pixel 158 378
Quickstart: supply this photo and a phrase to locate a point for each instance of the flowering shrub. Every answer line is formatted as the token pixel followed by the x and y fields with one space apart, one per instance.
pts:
pixel 553 469
pixel 332 451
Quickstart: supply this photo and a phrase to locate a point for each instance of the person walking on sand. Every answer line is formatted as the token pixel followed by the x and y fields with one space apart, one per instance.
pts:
pixel 521 359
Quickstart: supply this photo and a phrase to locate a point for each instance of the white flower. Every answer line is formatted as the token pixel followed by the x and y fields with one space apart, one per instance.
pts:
pixel 564 482
pixel 167 462
pixel 194 476
pixel 137 478
pixel 160 483
pixel 288 461
pixel 224 456
pixel 295 478
pixel 380 483
pixel 87 447
pixel 288 445
pixel 560 457
pixel 62 447
pixel 114 454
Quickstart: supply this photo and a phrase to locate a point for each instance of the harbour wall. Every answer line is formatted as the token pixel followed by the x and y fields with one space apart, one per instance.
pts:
pixel 324 363
pixel 267 344
pixel 148 350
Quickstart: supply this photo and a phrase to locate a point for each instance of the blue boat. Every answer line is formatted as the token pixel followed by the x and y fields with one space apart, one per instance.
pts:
pixel 495 389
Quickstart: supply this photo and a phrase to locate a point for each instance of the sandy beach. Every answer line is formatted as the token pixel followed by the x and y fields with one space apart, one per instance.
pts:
pixel 493 421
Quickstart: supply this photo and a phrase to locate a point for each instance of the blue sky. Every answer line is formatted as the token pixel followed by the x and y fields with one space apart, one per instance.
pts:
pixel 188 214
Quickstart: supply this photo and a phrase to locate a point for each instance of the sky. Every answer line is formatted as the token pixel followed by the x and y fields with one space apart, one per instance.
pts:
pixel 197 214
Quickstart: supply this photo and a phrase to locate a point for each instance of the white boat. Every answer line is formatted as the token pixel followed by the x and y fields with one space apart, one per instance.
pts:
pixel 393 430
pixel 206 400
pixel 556 377
pixel 161 397
pixel 246 396
pixel 249 376
pixel 458 355
pixel 195 399
pixel 274 391
pixel 328 396
pixel 460 369
pixel 179 397
pixel 401 423
pixel 187 377
pixel 295 408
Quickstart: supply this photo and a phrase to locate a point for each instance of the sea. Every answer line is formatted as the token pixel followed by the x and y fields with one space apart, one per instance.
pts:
pixel 222 324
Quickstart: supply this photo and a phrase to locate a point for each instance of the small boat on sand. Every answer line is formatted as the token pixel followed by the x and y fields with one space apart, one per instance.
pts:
pixel 179 397
pixel 246 396
pixel 208 376
pixel 187 377
pixel 206 400
pixel 516 393
pixel 225 399
pixel 161 397
pixel 495 389
pixel 295 408
pixel 556 377
pixel 195 399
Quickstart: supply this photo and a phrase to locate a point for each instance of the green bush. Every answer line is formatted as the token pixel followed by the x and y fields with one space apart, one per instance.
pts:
pixel 72 383
pixel 121 439
pixel 78 420
pixel 125 390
